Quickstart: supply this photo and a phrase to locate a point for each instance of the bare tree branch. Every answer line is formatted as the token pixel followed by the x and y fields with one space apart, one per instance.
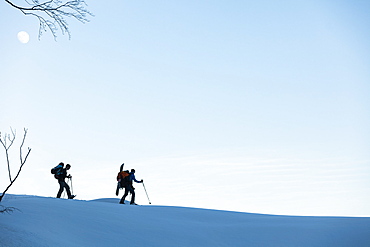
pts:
pixel 23 160
pixel 7 209
pixel 7 147
pixel 51 14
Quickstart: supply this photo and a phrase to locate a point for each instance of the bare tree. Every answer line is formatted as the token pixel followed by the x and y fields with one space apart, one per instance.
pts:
pixel 52 13
pixel 7 141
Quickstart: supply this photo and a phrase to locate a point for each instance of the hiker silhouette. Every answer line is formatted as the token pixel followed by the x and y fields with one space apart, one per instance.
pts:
pixel 126 182
pixel 61 175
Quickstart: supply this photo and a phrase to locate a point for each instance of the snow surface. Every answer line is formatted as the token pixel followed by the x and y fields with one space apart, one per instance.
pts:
pixel 44 221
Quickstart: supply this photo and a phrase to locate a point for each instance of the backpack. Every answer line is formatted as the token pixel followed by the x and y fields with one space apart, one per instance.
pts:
pixel 123 176
pixel 57 171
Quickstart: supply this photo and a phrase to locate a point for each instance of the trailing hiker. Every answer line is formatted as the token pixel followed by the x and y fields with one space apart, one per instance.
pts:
pixel 129 188
pixel 60 173
pixel 120 178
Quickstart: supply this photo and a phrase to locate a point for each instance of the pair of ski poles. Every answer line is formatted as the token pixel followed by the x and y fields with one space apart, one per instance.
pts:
pixel 64 191
pixel 70 179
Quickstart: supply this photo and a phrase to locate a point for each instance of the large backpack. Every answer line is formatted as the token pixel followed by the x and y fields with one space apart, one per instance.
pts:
pixel 123 177
pixel 57 171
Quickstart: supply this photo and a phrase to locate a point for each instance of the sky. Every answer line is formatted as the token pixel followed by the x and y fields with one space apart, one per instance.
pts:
pixel 246 106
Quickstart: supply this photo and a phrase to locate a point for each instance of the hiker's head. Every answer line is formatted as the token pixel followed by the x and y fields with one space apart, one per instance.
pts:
pixel 132 170
pixel 68 166
pixel 61 164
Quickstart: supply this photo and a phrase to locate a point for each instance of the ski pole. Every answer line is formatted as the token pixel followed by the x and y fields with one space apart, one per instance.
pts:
pixel 71 184
pixel 146 193
pixel 64 191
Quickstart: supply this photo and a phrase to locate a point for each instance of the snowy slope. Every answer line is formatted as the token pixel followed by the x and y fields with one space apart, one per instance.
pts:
pixel 59 222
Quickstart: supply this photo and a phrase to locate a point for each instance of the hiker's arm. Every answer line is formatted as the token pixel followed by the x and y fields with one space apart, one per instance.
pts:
pixel 133 178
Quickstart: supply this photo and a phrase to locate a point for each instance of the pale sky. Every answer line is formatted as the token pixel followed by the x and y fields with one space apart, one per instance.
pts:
pixel 253 106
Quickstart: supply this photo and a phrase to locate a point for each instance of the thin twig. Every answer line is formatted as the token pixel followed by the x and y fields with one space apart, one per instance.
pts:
pixel 8 209
pixel 7 147
pixel 55 11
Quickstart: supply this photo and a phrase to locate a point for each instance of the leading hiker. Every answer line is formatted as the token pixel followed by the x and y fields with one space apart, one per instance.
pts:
pixel 129 188
pixel 61 175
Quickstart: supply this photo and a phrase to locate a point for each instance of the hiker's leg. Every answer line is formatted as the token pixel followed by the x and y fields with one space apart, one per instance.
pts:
pixel 61 187
pixel 124 195
pixel 132 190
pixel 68 190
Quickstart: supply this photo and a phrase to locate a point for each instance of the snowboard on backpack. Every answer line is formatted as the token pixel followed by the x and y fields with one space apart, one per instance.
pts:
pixel 122 179
pixel 117 189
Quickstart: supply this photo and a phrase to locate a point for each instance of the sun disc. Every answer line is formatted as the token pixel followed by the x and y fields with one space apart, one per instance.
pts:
pixel 23 37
